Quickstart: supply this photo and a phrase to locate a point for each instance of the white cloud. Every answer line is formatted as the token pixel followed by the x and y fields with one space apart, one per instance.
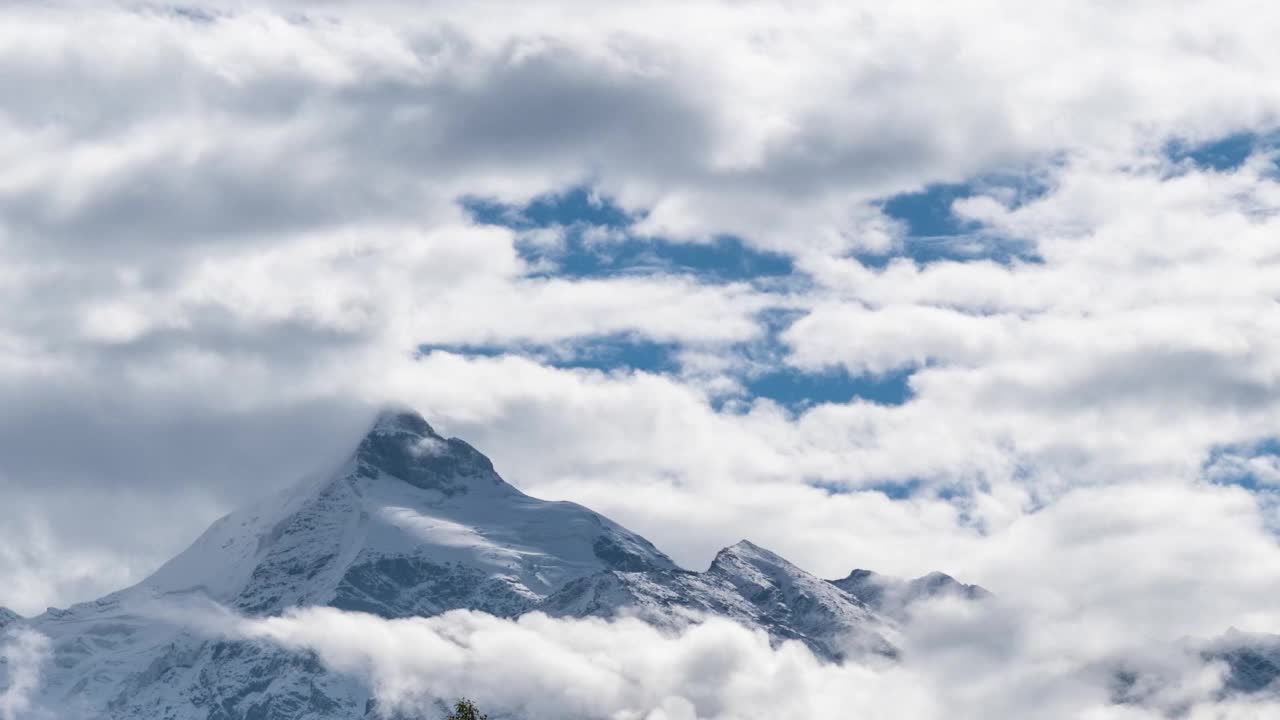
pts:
pixel 230 238
pixel 22 655
pixel 1107 578
pixel 1234 466
pixel 539 667
pixel 971 663
pixel 880 340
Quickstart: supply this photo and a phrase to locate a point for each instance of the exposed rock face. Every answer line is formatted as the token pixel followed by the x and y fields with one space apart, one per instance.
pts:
pixel 412 524
pixel 416 524
pixel 1253 660
pixel 745 583
pixel 893 597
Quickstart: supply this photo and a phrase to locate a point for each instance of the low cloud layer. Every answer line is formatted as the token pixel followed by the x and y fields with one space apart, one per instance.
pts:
pixel 542 668
pixel 1108 583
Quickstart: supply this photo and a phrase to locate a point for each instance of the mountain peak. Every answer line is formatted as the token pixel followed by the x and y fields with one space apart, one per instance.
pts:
pixel 745 557
pixel 402 444
pixel 745 549
pixel 892 595
pixel 399 419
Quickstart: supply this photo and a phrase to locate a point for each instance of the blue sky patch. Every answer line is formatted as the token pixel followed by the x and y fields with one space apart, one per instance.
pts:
pixel 1223 154
pixel 725 260
pixel 606 353
pixel 1244 464
pixel 906 488
pixel 928 213
pixel 795 389
pixel 787 386
pixel 587 252
pixel 959 248
pixel 574 206
pixel 898 490
pixel 934 233
pixel 595 242
pixel 621 351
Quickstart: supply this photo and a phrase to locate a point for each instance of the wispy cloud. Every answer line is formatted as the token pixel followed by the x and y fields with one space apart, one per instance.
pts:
pixel 23 653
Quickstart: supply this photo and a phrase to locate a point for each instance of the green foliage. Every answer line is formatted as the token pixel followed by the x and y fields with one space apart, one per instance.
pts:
pixel 464 709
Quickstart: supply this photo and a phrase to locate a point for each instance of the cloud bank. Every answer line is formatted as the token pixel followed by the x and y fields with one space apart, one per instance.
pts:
pixel 226 233
pixel 542 668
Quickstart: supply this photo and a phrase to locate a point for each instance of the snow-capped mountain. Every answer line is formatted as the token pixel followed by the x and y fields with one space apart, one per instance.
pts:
pixel 1249 662
pixel 1252 659
pixel 412 524
pixel 745 583
pixel 893 597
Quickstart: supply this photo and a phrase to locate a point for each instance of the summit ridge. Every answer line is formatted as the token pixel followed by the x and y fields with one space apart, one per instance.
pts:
pixel 411 524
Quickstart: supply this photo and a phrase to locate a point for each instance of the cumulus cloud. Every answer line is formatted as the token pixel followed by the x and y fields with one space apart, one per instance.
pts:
pixel 237 233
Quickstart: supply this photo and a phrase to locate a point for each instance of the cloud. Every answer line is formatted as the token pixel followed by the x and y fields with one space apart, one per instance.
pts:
pixel 1257 465
pixel 1107 579
pixel 970 662
pixel 774 128
pixel 233 237
pixel 21 657
pixel 539 667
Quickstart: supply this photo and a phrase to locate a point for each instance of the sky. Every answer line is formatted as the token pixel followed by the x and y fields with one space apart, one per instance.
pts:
pixel 985 287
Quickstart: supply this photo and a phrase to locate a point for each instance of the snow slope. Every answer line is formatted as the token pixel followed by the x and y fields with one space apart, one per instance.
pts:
pixel 745 583
pixel 414 523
